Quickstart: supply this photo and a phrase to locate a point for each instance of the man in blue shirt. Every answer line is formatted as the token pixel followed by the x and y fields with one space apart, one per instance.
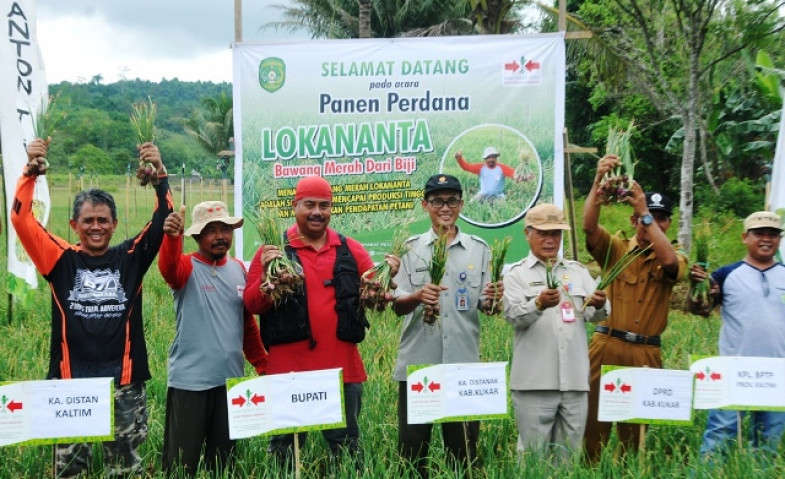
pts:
pixel 491 173
pixel 751 293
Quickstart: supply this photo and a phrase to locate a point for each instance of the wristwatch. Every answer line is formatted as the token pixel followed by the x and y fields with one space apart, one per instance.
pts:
pixel 647 219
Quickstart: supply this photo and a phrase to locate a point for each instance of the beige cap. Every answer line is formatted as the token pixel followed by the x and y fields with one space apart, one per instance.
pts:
pixel 546 217
pixel 763 219
pixel 209 211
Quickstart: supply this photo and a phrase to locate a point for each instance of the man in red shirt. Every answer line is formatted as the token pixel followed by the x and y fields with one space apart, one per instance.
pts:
pixel 301 332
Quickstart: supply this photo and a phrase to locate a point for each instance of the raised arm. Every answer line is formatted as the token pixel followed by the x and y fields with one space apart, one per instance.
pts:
pixel 660 243
pixel 175 267
pixel 591 209
pixel 147 243
pixel 43 247
pixel 466 166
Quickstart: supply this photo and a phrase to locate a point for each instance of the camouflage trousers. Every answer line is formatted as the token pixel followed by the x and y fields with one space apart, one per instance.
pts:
pixel 121 456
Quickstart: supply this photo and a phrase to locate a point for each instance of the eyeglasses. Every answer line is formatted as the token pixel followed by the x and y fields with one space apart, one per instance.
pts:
pixel 440 202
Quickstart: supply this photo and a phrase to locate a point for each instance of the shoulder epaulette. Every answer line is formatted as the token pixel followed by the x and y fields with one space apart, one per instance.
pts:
pixel 478 239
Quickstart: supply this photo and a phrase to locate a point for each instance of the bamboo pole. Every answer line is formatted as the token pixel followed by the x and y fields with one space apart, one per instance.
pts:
pixel 238 21
pixel 297 467
pixel 469 458
pixel 9 312
pixel 70 191
pixel 127 200
pixel 570 198
pixel 569 192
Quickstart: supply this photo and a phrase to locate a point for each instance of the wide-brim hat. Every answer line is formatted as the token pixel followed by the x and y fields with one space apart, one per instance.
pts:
pixel 211 211
pixel 490 151
pixel 546 217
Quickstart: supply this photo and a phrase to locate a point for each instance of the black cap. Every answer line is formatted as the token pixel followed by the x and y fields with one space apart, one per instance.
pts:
pixel 442 182
pixel 657 202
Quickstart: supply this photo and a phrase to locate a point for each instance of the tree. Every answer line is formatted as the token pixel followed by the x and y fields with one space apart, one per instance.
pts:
pixel 364 19
pixel 740 127
pixel 669 47
pixel 388 19
pixel 213 126
pixel 493 16
pixel 94 160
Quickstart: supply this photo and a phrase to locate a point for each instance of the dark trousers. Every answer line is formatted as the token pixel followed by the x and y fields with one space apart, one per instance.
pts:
pixel 196 419
pixel 414 439
pixel 339 440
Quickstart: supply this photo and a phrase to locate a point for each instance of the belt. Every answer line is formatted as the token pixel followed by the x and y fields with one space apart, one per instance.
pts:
pixel 628 336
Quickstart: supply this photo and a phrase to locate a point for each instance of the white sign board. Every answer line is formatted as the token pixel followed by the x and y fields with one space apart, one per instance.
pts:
pixel 736 382
pixel 283 403
pixel 645 395
pixel 56 411
pixel 456 392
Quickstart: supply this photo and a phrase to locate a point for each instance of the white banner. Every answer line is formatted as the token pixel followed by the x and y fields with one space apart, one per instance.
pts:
pixel 378 117
pixel 23 87
pixel 56 411
pixel 645 395
pixel 777 188
pixel 284 403
pixel 456 392
pixel 738 382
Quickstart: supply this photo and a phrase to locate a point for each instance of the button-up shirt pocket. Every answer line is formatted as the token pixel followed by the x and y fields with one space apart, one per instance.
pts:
pixel 578 297
pixel 628 283
pixel 419 278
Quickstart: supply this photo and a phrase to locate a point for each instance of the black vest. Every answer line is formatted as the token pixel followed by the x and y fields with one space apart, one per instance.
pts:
pixel 289 322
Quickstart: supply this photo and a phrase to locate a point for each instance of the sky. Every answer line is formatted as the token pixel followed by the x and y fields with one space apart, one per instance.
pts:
pixel 149 39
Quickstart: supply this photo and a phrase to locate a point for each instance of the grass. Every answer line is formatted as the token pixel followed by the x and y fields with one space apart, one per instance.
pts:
pixel 671 452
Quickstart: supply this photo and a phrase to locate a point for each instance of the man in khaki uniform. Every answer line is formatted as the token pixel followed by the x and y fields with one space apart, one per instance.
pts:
pixel 639 296
pixel 549 376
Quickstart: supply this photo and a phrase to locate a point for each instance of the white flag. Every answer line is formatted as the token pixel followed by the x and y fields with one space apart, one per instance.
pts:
pixel 777 188
pixel 23 89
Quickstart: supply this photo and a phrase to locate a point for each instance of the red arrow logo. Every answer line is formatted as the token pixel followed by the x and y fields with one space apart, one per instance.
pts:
pixel 434 386
pixel 13 406
pixel 716 376
pixel 700 376
pixel 532 65
pixel 512 66
pixel 610 387
pixel 238 401
pixel 417 387
pixel 257 399
pixel 625 388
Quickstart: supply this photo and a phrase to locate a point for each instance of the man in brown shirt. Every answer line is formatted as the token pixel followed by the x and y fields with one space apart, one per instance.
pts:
pixel 639 296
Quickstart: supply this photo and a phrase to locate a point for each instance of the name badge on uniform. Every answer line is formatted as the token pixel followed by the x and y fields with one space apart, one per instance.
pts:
pixel 567 311
pixel 462 299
